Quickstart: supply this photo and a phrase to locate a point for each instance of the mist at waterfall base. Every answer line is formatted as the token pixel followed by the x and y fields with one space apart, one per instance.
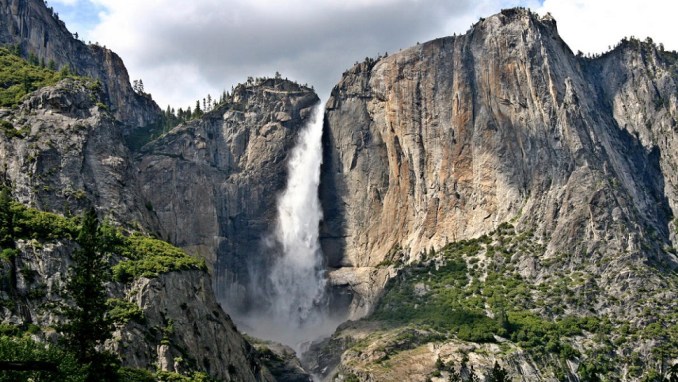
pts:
pixel 287 288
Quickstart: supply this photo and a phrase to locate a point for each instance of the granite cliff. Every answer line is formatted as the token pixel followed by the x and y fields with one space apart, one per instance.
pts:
pixel 212 184
pixel 448 139
pixel 37 31
pixel 489 197
pixel 502 141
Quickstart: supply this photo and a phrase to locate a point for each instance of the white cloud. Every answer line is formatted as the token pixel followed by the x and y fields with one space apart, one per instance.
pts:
pixel 65 2
pixel 186 49
pixel 593 25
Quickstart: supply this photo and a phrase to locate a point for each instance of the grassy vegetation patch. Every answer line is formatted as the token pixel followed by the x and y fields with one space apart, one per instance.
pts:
pixel 19 77
pixel 9 131
pixel 149 257
pixel 128 374
pixel 472 290
pixel 143 256
pixel 23 348
pixel 122 311
pixel 30 223
pixel 434 295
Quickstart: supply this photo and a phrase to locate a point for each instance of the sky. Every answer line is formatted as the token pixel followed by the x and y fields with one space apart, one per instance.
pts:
pixel 183 50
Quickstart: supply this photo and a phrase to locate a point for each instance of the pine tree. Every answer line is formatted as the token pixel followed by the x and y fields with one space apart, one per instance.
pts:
pixel 88 324
pixel 497 374
pixel 138 86
pixel 6 219
pixel 33 59
pixel 197 113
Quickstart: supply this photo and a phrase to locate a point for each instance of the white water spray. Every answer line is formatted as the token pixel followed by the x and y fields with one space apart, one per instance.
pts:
pixel 289 303
pixel 297 274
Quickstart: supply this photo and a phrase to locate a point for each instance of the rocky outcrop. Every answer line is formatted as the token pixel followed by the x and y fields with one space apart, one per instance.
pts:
pixel 67 153
pixel 637 82
pixel 181 327
pixel 38 31
pixel 367 352
pixel 62 151
pixel 448 139
pixel 184 328
pixel 212 184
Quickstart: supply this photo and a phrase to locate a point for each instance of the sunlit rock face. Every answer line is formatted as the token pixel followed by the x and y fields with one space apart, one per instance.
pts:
pixel 448 139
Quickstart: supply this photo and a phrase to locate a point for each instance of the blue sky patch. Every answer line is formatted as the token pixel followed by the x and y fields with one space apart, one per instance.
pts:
pixel 81 16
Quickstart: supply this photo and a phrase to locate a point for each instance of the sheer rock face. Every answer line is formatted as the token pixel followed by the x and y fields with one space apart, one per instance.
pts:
pixel 200 331
pixel 31 25
pixel 69 155
pixel 448 139
pixel 201 334
pixel 213 183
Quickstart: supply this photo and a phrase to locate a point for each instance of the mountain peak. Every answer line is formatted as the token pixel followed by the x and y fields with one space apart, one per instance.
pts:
pixel 516 21
pixel 38 31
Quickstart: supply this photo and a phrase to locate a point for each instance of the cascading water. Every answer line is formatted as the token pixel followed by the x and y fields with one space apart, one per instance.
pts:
pixel 297 279
pixel 297 275
pixel 289 302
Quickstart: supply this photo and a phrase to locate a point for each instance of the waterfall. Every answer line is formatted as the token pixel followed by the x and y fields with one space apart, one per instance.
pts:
pixel 289 304
pixel 297 276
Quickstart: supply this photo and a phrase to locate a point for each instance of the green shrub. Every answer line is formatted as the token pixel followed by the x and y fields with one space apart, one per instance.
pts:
pixel 19 77
pixel 445 308
pixel 9 330
pixel 10 132
pixel 122 311
pixel 144 256
pixel 8 254
pixel 30 223
pixel 168 376
pixel 32 329
pixel 149 257
pixel 128 374
pixel 25 349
